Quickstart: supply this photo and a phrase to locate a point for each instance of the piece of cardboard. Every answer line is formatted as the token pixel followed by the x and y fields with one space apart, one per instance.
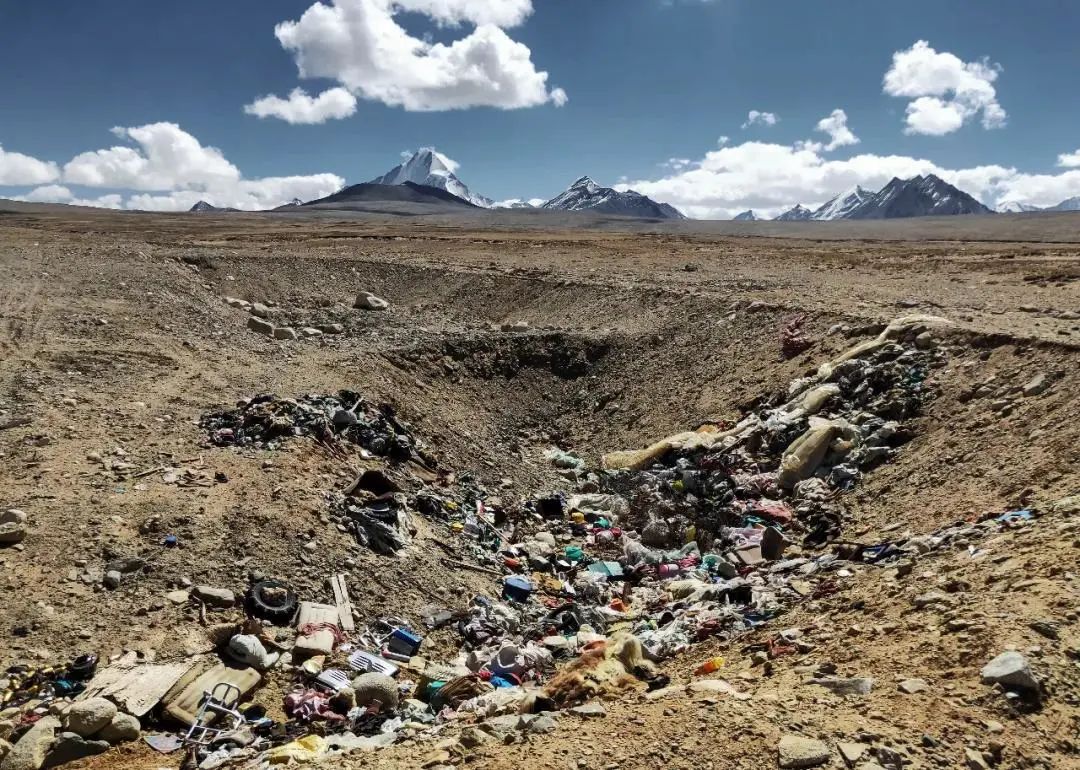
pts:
pixel 137 687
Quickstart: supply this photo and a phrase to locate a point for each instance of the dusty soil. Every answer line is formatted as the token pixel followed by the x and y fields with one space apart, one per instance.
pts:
pixel 115 338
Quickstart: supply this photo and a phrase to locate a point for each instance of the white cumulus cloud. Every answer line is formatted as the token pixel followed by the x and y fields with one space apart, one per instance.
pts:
pixel 758 118
pixel 361 45
pixel 1069 159
pixel 771 177
pixel 246 195
pixel 55 193
pixel 170 169
pixel 945 91
pixel 835 125
pixel 166 157
pixel 19 169
pixel 298 107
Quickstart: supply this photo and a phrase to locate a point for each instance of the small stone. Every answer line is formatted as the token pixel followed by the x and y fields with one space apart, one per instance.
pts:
pixel 260 310
pixel 112 579
pixel 539 723
pixel 912 686
pixel 973 760
pixel 178 597
pixel 925 341
pixel 13 514
pixel 799 751
pixel 260 326
pixel 71 747
pixel 284 333
pixel 12 532
pixel 87 717
pixel 237 302
pixel 1047 628
pixel 1010 669
pixel 503 728
pixel 331 328
pixel 589 710
pixel 472 737
pixel 30 751
pixel 214 597
pixel 311 331
pixel 516 326
pixel 852 752
pixel 365 300
pixel 122 728
pixel 930 598
pixel 1036 386
pixel 853 686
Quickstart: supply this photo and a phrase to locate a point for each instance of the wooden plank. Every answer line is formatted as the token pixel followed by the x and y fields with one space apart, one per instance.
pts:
pixel 344 605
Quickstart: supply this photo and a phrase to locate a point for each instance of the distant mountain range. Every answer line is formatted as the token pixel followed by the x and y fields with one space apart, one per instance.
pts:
pixel 370 192
pixel 797 213
pixel 1015 207
pixel 587 195
pixel 202 207
pixel 747 216
pixel 843 204
pixel 429 168
pixel 920 196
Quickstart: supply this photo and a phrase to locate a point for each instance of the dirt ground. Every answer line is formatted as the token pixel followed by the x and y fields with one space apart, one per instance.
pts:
pixel 115 337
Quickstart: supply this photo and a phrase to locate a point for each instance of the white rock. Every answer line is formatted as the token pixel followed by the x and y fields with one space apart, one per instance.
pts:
pixel 365 300
pixel 87 717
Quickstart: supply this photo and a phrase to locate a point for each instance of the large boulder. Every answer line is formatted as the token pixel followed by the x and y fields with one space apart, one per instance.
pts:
pixel 87 717
pixel 30 752
pixel 123 727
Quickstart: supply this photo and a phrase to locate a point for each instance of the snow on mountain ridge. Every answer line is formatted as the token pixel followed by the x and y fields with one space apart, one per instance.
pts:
pixel 585 194
pixel 432 169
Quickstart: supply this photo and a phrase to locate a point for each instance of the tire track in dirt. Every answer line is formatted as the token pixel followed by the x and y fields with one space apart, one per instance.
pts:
pixel 22 321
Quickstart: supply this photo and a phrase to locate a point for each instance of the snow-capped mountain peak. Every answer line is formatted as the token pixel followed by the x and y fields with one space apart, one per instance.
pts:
pixel 433 169
pixel 1069 204
pixel 585 194
pixel 1015 207
pixel 797 213
pixel 916 197
pixel 746 216
pixel 843 204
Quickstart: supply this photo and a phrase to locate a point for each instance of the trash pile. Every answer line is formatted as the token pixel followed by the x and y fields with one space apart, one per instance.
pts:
pixel 778 470
pixel 708 533
pixel 266 421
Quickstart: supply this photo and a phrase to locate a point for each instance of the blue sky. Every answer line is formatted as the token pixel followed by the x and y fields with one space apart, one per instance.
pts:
pixel 993 93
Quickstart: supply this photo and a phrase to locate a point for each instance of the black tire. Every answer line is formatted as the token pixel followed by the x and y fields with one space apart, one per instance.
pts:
pixel 278 612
